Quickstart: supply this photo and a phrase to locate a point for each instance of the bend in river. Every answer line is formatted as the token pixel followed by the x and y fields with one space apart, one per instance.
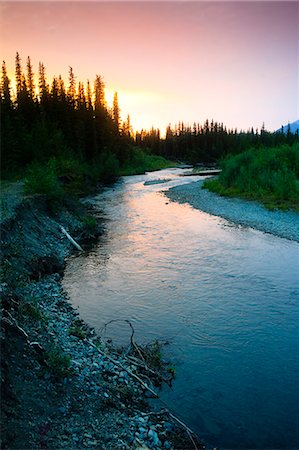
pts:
pixel 224 296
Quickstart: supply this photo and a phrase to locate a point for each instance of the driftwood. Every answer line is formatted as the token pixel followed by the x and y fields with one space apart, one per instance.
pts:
pixel 202 173
pixel 15 324
pixel 182 424
pixel 144 365
pixel 71 239
pixel 12 321
pixel 126 369
pixel 132 342
pixel 188 430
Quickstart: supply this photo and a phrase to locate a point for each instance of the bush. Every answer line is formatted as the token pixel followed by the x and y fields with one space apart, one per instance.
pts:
pixel 89 222
pixel 29 307
pixel 104 169
pixel 78 330
pixel 267 174
pixel 139 162
pixel 42 179
pixel 58 362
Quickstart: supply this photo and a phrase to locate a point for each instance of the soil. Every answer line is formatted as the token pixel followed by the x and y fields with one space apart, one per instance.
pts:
pixel 61 386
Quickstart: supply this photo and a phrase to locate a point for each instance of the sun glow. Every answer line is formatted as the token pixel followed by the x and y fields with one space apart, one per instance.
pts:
pixel 143 107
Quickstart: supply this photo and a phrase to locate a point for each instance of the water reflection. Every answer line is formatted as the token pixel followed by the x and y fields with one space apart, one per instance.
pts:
pixel 226 298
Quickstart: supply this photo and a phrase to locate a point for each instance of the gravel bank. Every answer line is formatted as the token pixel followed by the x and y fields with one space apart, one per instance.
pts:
pixel 243 212
pixel 62 387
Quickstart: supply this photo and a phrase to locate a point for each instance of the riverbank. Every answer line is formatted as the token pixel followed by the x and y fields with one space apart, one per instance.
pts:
pixel 284 224
pixel 62 387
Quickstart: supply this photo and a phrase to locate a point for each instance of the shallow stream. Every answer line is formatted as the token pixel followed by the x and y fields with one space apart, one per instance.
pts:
pixel 224 296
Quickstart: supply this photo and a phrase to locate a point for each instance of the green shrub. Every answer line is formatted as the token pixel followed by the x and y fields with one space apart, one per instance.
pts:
pixel 104 169
pixel 77 329
pixel 139 162
pixel 58 362
pixel 90 222
pixel 42 179
pixel 30 308
pixel 266 174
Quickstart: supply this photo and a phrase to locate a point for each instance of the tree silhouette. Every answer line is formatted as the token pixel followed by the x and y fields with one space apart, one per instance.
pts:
pixel 116 112
pixel 30 80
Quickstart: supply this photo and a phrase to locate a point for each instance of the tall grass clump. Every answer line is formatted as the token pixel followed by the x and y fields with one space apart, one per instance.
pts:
pixel 270 175
pixel 42 178
pixel 139 162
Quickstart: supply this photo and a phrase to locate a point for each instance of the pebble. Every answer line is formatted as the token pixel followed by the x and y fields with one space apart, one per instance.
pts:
pixel 246 213
pixel 168 426
pixel 87 366
pixel 154 437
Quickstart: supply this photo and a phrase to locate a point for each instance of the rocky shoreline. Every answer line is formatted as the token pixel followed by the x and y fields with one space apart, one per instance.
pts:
pixel 246 213
pixel 62 387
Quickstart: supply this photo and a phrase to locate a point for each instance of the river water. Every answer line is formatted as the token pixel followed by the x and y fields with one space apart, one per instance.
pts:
pixel 226 298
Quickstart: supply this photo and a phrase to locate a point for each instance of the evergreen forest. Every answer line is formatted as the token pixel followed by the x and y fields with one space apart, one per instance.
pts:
pixel 69 129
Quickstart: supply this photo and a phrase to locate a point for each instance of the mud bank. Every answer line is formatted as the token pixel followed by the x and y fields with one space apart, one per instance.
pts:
pixel 62 387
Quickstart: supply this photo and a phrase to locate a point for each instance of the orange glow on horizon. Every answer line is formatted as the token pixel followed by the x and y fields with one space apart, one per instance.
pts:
pixel 141 106
pixel 169 61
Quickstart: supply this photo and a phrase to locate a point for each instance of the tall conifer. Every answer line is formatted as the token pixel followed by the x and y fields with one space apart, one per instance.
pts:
pixel 5 88
pixel 30 80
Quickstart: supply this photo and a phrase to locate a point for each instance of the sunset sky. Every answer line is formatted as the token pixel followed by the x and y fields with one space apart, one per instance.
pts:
pixel 235 62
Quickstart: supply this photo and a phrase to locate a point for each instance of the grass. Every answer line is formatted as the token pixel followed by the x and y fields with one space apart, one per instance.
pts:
pixel 140 162
pixel 269 175
pixel 29 307
pixel 77 330
pixel 43 179
pixel 67 175
pixel 89 222
pixel 58 362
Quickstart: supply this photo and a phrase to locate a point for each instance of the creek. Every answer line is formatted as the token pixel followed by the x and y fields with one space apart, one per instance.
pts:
pixel 225 297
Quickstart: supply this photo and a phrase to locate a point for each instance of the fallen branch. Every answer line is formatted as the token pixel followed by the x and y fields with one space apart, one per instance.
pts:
pixel 117 363
pixel 143 365
pixel 187 429
pixel 71 239
pixel 183 425
pixel 15 323
pixel 133 343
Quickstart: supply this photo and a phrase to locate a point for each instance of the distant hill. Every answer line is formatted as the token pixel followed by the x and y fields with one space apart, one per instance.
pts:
pixel 294 126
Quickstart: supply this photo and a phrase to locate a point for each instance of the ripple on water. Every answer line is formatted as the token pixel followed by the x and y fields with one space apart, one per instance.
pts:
pixel 226 298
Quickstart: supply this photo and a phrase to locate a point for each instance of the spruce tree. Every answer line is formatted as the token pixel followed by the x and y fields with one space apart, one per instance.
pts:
pixel 42 85
pixel 18 72
pixel 89 97
pixel 5 89
pixel 30 80
pixel 116 112
pixel 71 92
pixel 99 93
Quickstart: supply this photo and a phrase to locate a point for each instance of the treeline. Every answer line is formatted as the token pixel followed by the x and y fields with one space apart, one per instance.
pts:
pixel 209 142
pixel 72 122
pixel 52 119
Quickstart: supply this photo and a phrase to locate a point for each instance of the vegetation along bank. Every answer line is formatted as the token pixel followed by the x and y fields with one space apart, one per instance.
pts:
pixel 62 386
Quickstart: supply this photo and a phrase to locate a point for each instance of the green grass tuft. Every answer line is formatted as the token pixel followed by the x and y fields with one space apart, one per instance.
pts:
pixel 58 362
pixel 269 175
pixel 42 179
pixel 140 162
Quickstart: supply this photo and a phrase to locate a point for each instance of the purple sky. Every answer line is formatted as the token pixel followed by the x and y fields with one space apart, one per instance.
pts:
pixel 235 62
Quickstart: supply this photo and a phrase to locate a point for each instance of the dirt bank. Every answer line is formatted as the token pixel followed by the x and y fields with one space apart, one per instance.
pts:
pixel 62 387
